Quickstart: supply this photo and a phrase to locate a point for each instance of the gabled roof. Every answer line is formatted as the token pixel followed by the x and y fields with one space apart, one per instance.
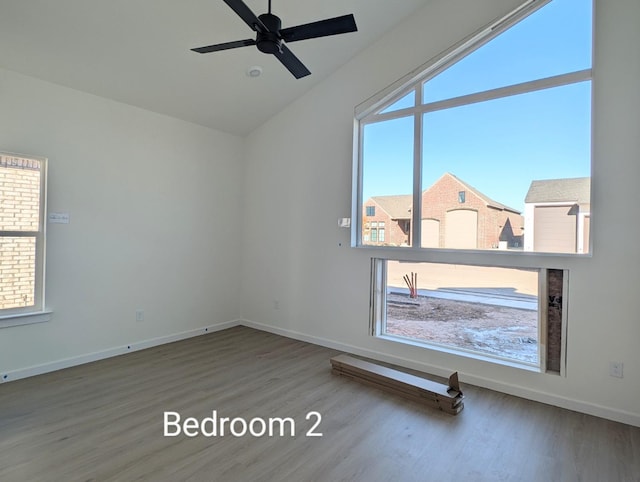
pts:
pixel 397 207
pixel 486 199
pixel 575 190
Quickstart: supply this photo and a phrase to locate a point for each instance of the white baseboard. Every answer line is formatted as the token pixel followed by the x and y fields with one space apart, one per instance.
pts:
pixel 608 413
pixel 629 418
pixel 110 352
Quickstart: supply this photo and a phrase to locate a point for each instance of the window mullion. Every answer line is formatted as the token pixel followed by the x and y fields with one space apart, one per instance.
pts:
pixel 416 212
pixel 510 90
pixel 486 95
pixel 357 200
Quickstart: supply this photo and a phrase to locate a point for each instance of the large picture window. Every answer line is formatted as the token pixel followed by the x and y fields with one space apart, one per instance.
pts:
pixel 489 148
pixel 482 154
pixel 22 211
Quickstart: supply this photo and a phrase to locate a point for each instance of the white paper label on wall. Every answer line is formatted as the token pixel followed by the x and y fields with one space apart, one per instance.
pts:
pixel 344 222
pixel 58 218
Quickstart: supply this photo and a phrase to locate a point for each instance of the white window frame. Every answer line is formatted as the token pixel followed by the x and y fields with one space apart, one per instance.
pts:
pixel 372 112
pixel 378 320
pixel 37 312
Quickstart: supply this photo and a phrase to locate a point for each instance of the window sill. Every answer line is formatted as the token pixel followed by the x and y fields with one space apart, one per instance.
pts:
pixel 464 353
pixel 25 318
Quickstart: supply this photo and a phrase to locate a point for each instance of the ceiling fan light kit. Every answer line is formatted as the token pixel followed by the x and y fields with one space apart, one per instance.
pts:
pixel 271 37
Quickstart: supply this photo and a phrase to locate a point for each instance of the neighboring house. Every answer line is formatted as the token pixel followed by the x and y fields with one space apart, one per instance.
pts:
pixel 454 215
pixel 387 220
pixel 558 215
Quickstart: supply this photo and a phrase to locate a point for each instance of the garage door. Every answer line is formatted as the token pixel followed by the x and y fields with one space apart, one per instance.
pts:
pixel 554 229
pixel 430 234
pixel 461 229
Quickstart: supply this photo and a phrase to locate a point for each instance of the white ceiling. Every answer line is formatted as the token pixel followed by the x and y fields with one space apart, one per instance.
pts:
pixel 138 52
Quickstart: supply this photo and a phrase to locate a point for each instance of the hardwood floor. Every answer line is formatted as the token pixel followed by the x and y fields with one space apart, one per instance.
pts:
pixel 104 421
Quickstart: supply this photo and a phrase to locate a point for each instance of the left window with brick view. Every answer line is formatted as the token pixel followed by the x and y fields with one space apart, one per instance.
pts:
pixel 22 234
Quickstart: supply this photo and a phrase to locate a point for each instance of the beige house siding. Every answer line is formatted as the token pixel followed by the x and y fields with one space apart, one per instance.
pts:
pixel 558 215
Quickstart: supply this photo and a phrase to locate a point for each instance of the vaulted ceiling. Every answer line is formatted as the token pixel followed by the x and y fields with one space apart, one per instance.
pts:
pixel 138 52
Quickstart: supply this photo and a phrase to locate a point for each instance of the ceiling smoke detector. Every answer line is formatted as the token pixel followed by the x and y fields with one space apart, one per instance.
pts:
pixel 254 71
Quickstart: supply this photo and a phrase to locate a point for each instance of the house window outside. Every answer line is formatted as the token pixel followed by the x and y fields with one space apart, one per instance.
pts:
pixel 22 206
pixel 500 123
pixel 371 211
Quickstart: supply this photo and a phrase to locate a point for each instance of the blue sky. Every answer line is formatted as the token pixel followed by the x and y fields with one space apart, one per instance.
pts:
pixel 499 146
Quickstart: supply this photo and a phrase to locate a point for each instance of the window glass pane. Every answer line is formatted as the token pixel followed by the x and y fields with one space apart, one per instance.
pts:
pixel 17 271
pixel 514 158
pixel 554 40
pixel 408 100
pixel 19 194
pixel 387 180
pixel 488 310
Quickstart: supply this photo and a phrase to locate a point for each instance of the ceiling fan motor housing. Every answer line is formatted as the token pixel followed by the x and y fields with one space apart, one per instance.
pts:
pixel 269 42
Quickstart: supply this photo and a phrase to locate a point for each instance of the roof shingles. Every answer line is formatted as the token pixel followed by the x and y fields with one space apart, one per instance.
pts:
pixel 576 190
pixel 397 207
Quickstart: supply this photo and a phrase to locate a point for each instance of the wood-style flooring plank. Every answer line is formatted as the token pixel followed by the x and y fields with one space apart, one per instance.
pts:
pixel 104 421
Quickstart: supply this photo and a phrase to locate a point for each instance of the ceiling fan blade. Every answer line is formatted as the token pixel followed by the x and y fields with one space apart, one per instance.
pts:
pixel 247 15
pixel 322 28
pixel 292 63
pixel 225 46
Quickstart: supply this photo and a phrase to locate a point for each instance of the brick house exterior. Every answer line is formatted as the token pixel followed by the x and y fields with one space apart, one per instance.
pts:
pixel 454 215
pixel 19 211
pixel 386 220
pixel 497 225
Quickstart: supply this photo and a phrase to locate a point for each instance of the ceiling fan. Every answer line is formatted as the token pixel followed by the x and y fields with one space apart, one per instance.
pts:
pixel 270 36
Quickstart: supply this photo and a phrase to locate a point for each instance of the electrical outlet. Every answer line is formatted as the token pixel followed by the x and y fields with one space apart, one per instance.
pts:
pixel 615 369
pixel 139 315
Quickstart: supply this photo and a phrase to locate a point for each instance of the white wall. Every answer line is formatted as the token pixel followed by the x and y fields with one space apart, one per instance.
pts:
pixel 298 182
pixel 154 206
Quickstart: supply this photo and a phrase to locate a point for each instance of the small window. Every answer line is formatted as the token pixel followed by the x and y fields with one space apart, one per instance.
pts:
pixel 461 197
pixel 371 210
pixel 22 217
pixel 478 311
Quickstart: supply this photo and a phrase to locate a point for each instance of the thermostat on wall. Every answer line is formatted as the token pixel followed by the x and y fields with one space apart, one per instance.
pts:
pixel 344 222
pixel 58 218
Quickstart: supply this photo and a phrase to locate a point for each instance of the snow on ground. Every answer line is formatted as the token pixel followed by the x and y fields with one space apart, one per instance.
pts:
pixel 490 329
